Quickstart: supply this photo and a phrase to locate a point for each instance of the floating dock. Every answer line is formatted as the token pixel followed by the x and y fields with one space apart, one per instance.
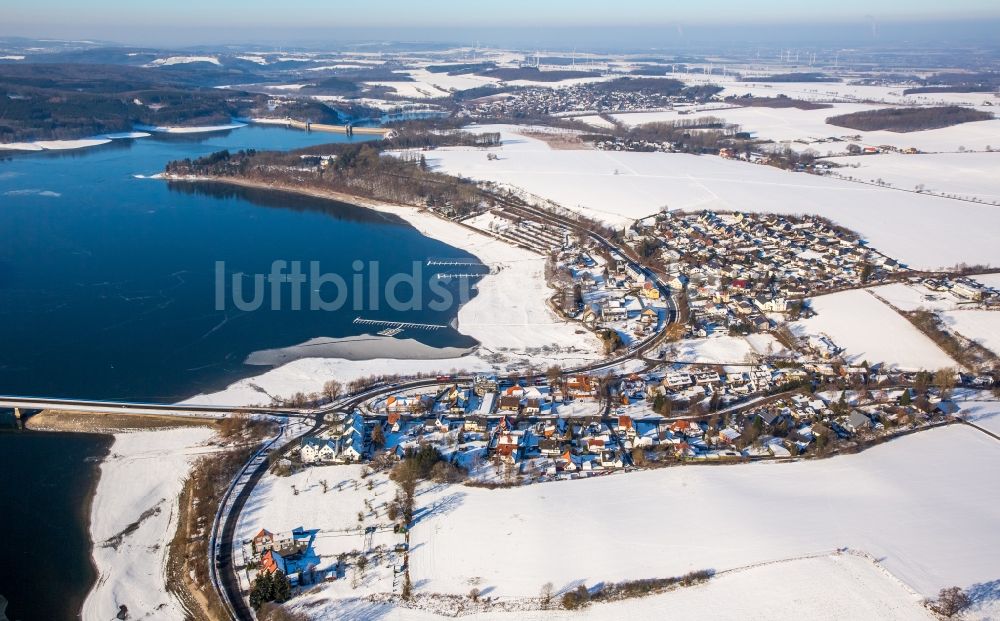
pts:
pixel 457 263
pixel 400 325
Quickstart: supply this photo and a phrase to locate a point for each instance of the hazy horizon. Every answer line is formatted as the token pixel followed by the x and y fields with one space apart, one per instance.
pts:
pixel 639 24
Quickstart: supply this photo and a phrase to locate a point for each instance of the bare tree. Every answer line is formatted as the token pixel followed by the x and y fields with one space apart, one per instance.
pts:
pixel 951 601
pixel 546 595
pixel 378 436
pixel 332 389
pixel 553 374
pixel 944 379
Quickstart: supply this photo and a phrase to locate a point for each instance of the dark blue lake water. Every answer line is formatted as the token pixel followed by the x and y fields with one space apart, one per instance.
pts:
pixel 47 480
pixel 107 282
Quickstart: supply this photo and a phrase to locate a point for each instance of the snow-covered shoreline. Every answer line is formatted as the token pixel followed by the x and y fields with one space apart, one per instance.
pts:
pixel 133 517
pixel 197 129
pixel 509 316
pixel 139 131
pixel 66 145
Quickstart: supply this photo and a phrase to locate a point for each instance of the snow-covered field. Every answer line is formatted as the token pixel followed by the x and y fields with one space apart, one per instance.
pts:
pixel 509 316
pixel 869 330
pixel 769 531
pixel 139 485
pixel 965 175
pixel 446 83
pixel 778 124
pixel 725 349
pixel 985 414
pixel 990 280
pixel 594 121
pixel 280 504
pixel 982 326
pixel 618 187
pixel 807 588
pixel 413 90
pixel 912 296
pixel 901 502
pixel 801 129
pixel 835 91
pixel 792 124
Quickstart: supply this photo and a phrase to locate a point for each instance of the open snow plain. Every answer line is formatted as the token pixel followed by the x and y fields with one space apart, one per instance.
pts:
pixel 618 187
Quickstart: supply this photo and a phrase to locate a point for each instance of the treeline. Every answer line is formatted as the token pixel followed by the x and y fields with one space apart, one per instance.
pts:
pixel 701 92
pixel 984 82
pixel 336 86
pixel 792 77
pixel 487 90
pixel 34 116
pixel 508 74
pixel 581 596
pixel 781 101
pixel 908 119
pixel 356 169
pixel 697 135
pixel 665 87
pixel 461 69
pixel 959 88
pixel 653 87
pixel 373 74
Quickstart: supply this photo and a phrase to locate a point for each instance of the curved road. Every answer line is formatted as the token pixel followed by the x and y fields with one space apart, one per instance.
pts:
pixel 224 575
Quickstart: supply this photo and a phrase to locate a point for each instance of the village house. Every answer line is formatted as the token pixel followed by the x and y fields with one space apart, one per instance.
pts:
pixel 510 404
pixel 313 450
pixel 581 387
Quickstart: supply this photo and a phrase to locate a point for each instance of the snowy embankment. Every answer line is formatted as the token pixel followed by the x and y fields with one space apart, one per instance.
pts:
pixel 65 145
pixel 619 187
pixel 134 517
pixel 307 375
pixel 870 330
pixel 510 312
pixel 198 129
pixel 509 316
pixel 183 60
pixel 925 505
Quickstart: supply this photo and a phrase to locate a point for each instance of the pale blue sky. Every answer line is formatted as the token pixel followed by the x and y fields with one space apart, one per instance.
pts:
pixel 183 19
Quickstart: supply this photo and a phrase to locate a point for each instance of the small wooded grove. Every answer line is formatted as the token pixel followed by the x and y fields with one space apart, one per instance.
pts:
pixel 357 169
pixel 908 119
pixel 268 587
